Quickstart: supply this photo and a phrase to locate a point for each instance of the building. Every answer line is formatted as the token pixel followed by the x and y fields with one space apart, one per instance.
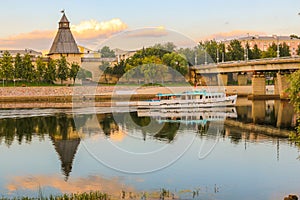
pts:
pixel 88 53
pixel 64 43
pixel 13 53
pixel 263 42
pixel 123 55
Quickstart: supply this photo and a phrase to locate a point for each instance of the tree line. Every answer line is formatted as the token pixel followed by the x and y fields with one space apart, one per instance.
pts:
pixel 150 64
pixel 213 52
pixel 152 59
pixel 23 69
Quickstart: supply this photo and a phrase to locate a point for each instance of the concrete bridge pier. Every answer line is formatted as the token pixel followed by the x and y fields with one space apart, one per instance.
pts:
pixel 258 84
pixel 222 79
pixel 210 79
pixel 281 85
pixel 276 89
pixel 242 79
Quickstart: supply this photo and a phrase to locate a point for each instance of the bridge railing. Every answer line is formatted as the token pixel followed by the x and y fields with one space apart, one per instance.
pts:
pixel 297 57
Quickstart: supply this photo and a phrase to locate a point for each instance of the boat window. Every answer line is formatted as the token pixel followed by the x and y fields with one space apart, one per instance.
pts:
pixel 201 96
pixel 206 97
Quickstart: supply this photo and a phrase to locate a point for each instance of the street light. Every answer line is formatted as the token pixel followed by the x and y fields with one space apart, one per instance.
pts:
pixel 205 58
pixel 246 48
pixel 278 51
pixel 217 55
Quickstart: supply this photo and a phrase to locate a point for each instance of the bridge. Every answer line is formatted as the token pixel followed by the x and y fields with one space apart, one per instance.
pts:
pixel 254 71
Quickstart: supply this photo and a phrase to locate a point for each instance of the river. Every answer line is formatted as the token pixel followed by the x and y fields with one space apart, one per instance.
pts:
pixel 216 154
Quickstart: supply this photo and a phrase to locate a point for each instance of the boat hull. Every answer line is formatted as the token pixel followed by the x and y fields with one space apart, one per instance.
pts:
pixel 194 103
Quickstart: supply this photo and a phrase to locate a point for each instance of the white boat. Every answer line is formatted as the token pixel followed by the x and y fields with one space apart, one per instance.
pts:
pixel 190 99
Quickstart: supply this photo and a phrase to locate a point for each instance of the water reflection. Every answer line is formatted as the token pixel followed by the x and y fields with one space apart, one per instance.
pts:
pixel 80 185
pixel 274 113
pixel 162 128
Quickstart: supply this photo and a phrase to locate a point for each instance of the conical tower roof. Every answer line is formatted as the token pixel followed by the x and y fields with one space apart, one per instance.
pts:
pixel 64 42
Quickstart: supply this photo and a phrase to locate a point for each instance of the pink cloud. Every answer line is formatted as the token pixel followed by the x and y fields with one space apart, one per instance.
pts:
pixel 232 34
pixel 93 29
pixel 159 31
pixel 85 32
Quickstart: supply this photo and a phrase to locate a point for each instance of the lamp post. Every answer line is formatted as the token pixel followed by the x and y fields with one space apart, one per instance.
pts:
pixel 246 56
pixel 217 55
pixel 205 57
pixel 245 53
pixel 278 51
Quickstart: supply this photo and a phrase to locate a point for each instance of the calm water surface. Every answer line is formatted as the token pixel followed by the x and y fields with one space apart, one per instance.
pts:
pixel 195 155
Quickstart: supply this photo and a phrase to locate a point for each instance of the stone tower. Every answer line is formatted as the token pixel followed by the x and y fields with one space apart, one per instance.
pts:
pixel 64 43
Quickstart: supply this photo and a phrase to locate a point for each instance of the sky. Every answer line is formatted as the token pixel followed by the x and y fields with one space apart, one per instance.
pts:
pixel 33 23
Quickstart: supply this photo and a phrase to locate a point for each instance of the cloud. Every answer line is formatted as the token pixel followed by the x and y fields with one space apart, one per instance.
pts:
pixel 232 34
pixel 159 31
pixel 93 29
pixel 84 33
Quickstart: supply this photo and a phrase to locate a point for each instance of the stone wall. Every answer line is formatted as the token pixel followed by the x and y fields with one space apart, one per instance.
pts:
pixel 52 91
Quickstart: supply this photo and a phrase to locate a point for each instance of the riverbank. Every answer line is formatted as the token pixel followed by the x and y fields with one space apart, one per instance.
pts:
pixel 106 93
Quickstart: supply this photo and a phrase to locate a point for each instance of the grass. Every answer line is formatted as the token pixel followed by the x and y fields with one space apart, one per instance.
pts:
pixel 43 84
pixel 27 84
pixel 85 196
pixel 96 195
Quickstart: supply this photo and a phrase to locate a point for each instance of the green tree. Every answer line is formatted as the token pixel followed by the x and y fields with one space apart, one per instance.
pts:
pixel 28 68
pixel 40 69
pixel 167 47
pixel 294 91
pixel 63 70
pixel 294 36
pixel 249 51
pixel 298 50
pixel 83 74
pixel 212 49
pixel 104 65
pixel 7 67
pixel 50 73
pixel 271 51
pixel 177 62
pixel 150 68
pixel 18 67
pixel 106 52
pixel 222 52
pixel 105 68
pixel 284 50
pixel 73 71
pixel 256 52
pixel 189 54
pixel 235 50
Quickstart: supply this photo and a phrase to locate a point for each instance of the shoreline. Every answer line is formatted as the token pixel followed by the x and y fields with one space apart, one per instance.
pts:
pixel 64 94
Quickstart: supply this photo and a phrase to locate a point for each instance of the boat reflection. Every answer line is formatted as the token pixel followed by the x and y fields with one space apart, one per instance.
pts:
pixel 189 116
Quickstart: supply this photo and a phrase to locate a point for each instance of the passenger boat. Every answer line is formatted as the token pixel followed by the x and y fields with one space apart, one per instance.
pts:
pixel 190 99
